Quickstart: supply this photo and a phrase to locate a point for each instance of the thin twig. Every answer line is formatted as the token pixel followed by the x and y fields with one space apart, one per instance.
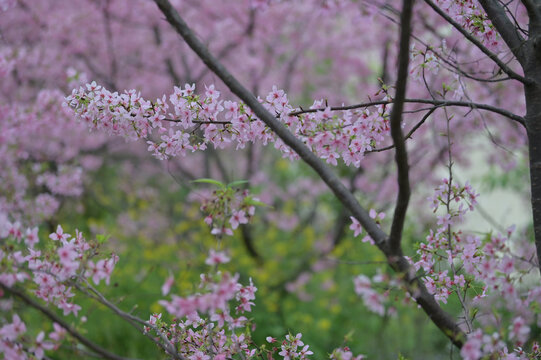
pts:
pixel 410 133
pixel 167 346
pixel 435 102
pixel 506 69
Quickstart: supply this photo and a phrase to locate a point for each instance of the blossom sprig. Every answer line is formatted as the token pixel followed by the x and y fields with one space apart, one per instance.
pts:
pixel 292 347
pixel 457 263
pixel 223 123
pixel 52 270
pixel 375 300
pixel 228 206
pixel 344 353
pixel 205 325
pixel 470 16
pixel 358 229
pixel 17 344
pixel 484 273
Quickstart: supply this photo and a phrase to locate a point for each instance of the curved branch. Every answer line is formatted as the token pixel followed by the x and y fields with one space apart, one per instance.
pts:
pixel 513 46
pixel 415 287
pixel 53 317
pixel 167 346
pixel 401 154
pixel 434 102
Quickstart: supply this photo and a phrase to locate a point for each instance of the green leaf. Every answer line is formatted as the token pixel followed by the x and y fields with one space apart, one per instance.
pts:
pixel 210 181
pixel 237 183
pixel 254 202
pixel 101 238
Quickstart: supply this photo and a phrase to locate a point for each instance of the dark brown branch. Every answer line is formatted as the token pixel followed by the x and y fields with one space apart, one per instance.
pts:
pixel 401 154
pixel 414 286
pixel 227 49
pixel 506 69
pixel 168 62
pixel 409 134
pixel 201 121
pixel 467 104
pixel 110 46
pixel 248 241
pixel 53 317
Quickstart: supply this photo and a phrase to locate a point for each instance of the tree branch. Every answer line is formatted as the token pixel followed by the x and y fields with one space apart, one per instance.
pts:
pixel 53 317
pixel 410 133
pixel 506 69
pixel 167 346
pixel 401 154
pixel 434 102
pixel 414 286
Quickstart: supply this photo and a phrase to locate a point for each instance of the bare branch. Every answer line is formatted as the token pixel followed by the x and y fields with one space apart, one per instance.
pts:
pixel 409 134
pixel 434 102
pixel 167 346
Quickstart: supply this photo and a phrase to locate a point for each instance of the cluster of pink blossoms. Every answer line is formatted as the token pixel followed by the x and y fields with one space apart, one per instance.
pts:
pixel 289 347
pixel 372 298
pixel 227 208
pixel 43 155
pixel 345 354
pixel 491 270
pixel 12 335
pixel 204 326
pixel 484 273
pixel 469 14
pixel 199 120
pixel 54 272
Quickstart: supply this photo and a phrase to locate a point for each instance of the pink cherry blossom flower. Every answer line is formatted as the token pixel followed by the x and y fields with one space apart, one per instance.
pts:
pixel 199 355
pixel 166 287
pixel 216 258
pixel 237 218
pixel 58 334
pixel 31 237
pixel 471 350
pixel 223 230
pixel 295 341
pixel 59 234
pixel 519 330
pixel 40 346
pixel 355 226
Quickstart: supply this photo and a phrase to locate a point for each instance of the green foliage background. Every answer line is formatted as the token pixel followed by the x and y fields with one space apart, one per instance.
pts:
pixel 333 315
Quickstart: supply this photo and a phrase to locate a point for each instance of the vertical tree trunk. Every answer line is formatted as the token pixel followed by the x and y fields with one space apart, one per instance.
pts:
pixel 533 127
